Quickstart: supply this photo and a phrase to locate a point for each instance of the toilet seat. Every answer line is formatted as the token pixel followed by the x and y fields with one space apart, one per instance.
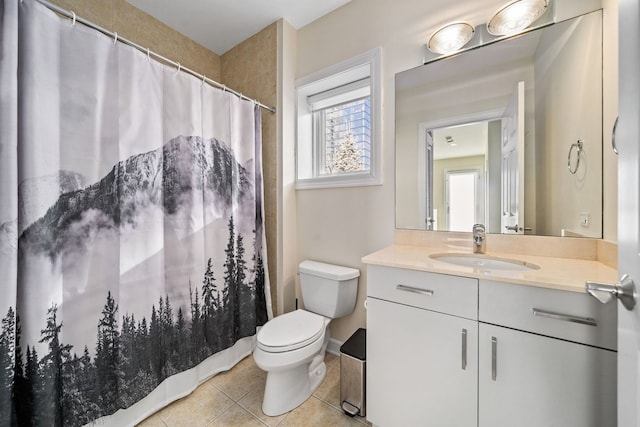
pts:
pixel 291 331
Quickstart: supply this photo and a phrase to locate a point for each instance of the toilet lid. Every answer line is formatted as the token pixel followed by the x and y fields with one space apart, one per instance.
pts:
pixel 291 331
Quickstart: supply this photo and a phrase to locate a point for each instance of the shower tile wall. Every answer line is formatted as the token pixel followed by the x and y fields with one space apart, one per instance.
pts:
pixel 139 27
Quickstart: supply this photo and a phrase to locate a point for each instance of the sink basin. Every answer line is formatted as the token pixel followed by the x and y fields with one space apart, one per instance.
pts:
pixel 485 262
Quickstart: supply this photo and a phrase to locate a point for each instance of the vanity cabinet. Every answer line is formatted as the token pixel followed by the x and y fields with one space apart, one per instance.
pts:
pixel 454 351
pixel 421 359
pixel 546 358
pixel 531 380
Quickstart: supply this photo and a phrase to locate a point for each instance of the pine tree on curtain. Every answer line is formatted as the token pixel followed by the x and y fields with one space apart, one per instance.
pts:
pixel 131 226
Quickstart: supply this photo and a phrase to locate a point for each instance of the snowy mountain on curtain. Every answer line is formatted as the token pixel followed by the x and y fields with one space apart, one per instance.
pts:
pixel 39 194
pixel 186 171
pixel 8 234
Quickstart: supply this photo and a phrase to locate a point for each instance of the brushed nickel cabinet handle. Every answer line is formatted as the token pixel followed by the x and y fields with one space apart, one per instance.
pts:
pixel 464 349
pixel 494 358
pixel 564 317
pixel 421 291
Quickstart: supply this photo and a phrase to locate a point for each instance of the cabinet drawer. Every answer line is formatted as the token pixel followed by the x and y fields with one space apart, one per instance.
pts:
pixel 567 315
pixel 443 293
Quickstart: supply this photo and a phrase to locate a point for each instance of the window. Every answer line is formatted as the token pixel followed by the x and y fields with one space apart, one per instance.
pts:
pixel 338 114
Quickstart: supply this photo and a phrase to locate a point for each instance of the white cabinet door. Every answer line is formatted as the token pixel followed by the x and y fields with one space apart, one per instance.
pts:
pixel 539 381
pixel 416 370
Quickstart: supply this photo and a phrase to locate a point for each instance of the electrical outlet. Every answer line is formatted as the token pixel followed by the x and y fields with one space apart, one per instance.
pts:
pixel 585 219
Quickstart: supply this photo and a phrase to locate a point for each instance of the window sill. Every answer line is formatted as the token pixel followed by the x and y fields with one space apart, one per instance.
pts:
pixel 362 180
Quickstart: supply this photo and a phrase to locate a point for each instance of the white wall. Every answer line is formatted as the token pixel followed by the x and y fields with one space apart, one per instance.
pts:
pixel 342 225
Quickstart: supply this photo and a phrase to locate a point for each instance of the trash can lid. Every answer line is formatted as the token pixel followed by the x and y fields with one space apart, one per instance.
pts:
pixel 356 345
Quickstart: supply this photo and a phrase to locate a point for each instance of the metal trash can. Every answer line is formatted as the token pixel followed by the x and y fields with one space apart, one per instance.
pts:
pixel 353 370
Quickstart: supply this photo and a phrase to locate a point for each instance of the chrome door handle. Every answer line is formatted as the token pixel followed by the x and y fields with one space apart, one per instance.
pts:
pixel 613 136
pixel 406 288
pixel 516 228
pixel 464 349
pixel 494 358
pixel 624 290
pixel 565 317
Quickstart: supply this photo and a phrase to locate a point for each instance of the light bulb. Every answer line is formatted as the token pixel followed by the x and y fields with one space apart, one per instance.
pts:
pixel 450 38
pixel 516 16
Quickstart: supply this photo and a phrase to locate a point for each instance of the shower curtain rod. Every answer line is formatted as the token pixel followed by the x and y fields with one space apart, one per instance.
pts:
pixel 116 38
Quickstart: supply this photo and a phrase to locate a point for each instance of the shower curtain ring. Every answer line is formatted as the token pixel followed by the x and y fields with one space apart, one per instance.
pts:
pixel 204 78
pixel 179 67
pixel 224 88
pixel 115 38
pixel 73 19
pixel 148 54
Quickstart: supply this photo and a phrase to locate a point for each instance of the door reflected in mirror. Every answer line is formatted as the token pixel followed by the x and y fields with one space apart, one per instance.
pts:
pixel 484 136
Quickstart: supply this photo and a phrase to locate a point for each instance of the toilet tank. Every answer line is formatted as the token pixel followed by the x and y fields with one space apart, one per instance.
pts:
pixel 327 289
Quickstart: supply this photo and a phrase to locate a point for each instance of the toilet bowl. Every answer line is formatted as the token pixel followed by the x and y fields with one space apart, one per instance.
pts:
pixel 292 346
pixel 294 363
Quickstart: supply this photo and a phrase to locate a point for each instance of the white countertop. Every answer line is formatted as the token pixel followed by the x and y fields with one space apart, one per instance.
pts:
pixel 554 273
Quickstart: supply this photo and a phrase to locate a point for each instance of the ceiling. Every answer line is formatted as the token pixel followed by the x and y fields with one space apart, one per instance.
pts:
pixel 220 25
pixel 469 139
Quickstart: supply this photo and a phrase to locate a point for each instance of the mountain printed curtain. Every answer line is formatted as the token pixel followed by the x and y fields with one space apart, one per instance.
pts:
pixel 132 251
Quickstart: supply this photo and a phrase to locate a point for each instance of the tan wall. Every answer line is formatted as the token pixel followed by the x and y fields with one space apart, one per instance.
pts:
pixel 251 68
pixel 564 90
pixel 143 29
pixel 287 211
pixel 610 112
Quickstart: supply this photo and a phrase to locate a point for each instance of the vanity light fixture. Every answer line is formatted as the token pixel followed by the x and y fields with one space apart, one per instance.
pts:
pixel 450 38
pixel 516 16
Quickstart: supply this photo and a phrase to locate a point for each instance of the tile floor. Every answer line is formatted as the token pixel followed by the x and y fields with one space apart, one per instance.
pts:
pixel 234 398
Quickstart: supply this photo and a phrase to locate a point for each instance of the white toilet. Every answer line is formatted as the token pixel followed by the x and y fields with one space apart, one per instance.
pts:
pixel 291 347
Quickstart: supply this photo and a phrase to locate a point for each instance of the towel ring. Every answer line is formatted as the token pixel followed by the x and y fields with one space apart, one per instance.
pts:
pixel 578 146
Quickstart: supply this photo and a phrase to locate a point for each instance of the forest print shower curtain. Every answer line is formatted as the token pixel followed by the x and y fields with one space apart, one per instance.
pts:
pixel 131 226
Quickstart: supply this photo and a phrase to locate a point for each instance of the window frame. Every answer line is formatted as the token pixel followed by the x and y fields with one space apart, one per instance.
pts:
pixel 365 65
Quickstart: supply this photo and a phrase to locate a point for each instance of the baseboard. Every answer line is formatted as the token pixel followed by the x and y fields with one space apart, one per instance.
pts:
pixel 334 346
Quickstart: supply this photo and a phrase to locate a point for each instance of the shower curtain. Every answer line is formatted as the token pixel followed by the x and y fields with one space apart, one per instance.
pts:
pixel 132 253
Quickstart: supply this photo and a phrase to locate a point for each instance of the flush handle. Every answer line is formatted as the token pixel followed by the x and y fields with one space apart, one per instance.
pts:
pixel 624 290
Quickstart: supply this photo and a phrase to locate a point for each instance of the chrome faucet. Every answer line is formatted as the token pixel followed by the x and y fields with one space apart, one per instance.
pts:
pixel 479 239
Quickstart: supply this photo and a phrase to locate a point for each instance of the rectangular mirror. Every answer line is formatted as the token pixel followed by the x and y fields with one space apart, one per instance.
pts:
pixel 508 135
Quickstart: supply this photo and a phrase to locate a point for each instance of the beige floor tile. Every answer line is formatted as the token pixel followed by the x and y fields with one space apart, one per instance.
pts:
pixel 330 359
pixel 240 380
pixel 236 416
pixel 315 413
pixel 198 409
pixel 329 390
pixel 153 421
pixel 252 402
